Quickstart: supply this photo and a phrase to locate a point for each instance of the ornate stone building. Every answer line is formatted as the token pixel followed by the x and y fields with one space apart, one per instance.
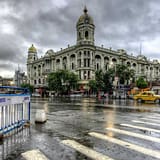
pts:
pixel 85 58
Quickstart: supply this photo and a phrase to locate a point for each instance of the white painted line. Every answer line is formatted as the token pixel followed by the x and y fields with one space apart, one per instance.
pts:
pixel 153 117
pixel 142 128
pixel 85 150
pixel 128 145
pixel 34 155
pixel 149 119
pixel 153 124
pixel 137 135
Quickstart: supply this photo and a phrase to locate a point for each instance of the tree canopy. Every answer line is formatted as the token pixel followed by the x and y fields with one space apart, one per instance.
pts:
pixel 124 73
pixel 62 81
pixel 104 79
pixel 26 85
pixel 141 83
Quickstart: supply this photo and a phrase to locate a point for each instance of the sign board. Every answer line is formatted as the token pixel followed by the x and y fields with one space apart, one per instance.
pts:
pixel 8 100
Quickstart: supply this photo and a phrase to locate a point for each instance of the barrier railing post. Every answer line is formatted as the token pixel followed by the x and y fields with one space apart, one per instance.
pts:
pixel 29 111
pixel 14 109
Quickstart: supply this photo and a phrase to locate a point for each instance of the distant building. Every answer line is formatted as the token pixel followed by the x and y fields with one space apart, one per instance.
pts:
pixel 19 78
pixel 85 58
pixel 6 81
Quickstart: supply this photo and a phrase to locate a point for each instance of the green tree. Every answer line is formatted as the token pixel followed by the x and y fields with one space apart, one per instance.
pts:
pixel 124 73
pixel 93 85
pixel 72 81
pixel 103 80
pixel 107 79
pixel 141 83
pixel 99 77
pixel 62 81
pixel 26 85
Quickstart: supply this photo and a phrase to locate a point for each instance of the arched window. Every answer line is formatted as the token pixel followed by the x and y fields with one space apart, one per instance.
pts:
pixel 39 81
pixel 134 65
pixel 86 34
pixel 80 35
pixel 72 67
pixel 97 61
pixel 79 54
pixel 106 62
pixel 58 63
pixel 64 62
pixel 97 66
pixel 128 64
pixel 114 60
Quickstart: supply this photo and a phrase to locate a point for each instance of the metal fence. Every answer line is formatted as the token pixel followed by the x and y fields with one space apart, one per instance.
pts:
pixel 13 144
pixel 14 108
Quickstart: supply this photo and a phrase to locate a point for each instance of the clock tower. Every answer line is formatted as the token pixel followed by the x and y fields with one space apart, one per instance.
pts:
pixel 85 29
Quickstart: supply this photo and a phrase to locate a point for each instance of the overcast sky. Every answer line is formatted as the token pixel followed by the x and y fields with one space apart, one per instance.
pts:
pixel 51 24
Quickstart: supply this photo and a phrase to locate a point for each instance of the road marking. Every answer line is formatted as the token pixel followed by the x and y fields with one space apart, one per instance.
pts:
pixel 142 128
pixel 85 150
pixel 137 135
pixel 153 117
pixel 128 145
pixel 34 154
pixel 149 119
pixel 153 124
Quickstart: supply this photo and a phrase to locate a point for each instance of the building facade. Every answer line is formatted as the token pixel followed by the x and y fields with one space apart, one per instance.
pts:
pixel 85 58
pixel 6 81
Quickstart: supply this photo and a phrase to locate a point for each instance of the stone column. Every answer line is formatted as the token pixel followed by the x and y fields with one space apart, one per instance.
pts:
pixel 83 59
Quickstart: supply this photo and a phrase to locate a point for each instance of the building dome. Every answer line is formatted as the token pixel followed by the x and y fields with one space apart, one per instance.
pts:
pixel 32 49
pixel 85 18
pixel 49 53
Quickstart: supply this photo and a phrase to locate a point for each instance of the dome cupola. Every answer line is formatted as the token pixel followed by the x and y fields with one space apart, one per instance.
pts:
pixel 32 49
pixel 85 29
pixel 32 54
pixel 85 18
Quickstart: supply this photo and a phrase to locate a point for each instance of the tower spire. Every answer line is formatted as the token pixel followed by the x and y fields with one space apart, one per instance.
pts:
pixel 85 9
pixel 140 49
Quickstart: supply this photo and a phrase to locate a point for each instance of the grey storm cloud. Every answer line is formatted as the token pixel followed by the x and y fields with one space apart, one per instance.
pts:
pixel 52 24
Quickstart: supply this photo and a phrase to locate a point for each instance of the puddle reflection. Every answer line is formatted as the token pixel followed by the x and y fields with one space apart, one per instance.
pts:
pixel 12 144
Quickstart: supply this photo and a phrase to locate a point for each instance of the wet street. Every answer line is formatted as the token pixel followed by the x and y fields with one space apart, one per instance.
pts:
pixel 88 128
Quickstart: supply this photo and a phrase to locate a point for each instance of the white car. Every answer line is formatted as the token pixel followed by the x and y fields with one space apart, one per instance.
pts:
pixel 36 95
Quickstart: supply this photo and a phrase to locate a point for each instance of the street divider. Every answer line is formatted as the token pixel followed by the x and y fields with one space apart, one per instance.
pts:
pixel 40 116
pixel 14 109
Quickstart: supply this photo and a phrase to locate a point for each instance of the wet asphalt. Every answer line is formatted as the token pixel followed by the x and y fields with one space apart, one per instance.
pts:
pixel 74 119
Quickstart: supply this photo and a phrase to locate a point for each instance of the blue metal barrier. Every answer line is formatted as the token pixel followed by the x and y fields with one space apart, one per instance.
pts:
pixel 14 108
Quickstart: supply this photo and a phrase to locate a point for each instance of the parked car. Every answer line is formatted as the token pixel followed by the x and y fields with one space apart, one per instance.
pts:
pixel 147 96
pixel 76 94
pixel 36 95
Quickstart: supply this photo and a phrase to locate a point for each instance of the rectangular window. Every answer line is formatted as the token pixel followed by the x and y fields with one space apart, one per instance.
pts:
pixel 88 62
pixel 79 74
pixel 85 75
pixel 88 74
pixel 85 63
